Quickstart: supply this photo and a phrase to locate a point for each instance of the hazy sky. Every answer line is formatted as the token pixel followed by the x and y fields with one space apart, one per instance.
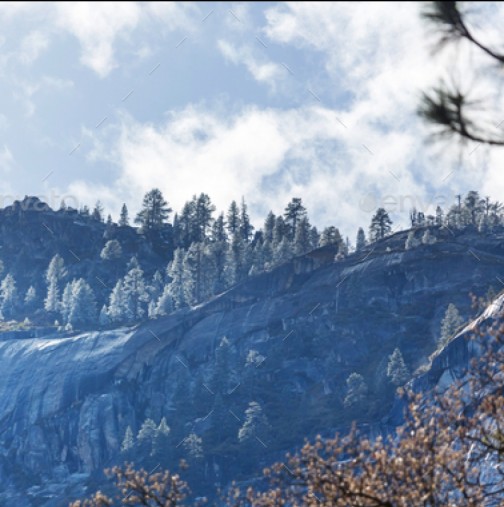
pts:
pixel 261 100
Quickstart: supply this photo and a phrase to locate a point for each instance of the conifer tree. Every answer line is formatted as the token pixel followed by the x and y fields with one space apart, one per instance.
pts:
pixel 117 303
pixel 233 219
pixel 128 441
pixel 450 324
pixel 283 252
pixel 30 300
pixel 302 242
pixel 314 237
pixel 175 272
pixel 162 445
pixel 54 274
pixel 294 212
pixel 135 292
pixel 269 227
pixel 8 297
pixel 235 269
pixel 279 232
pixel 380 225
pixel 97 212
pixel 146 436
pixel 112 250
pixel 246 228
pixel 155 211
pixel 356 390
pixel 203 217
pixel 255 428
pixel 361 240
pixel 165 304
pixel 82 309
pixel 331 236
pixel 193 445
pixel 397 371
pixel 124 217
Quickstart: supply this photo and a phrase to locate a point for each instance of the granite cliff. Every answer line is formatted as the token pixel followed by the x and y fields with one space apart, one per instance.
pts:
pixel 292 338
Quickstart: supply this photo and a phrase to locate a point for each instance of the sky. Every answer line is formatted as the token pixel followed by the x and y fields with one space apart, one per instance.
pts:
pixel 265 101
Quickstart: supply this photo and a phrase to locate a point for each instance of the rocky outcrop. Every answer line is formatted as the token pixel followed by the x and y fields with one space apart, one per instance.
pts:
pixel 65 401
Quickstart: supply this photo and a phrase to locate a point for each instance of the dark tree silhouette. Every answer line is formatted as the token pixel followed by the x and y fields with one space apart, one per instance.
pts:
pixel 446 105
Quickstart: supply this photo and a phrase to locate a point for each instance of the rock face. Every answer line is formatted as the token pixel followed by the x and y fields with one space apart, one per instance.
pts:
pixel 294 336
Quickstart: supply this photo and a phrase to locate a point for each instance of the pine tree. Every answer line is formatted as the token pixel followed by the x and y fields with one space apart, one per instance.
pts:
pixel 283 252
pixel 314 238
pixel 54 274
pixel 111 251
pixel 380 225
pixel 193 445
pixel 135 292
pixel 175 272
pixel 185 226
pixel 235 269
pixel 397 370
pixel 233 220
pixel 450 324
pixel 356 390
pixel 219 233
pixel 128 441
pixel 331 236
pixel 82 309
pixel 155 211
pixel 192 274
pixel 8 297
pixel 439 216
pixel 280 231
pixel 361 240
pixel 66 303
pixel 255 428
pixel 474 205
pixel 203 211
pixel 146 435
pixel 217 250
pixel 246 228
pixel 124 218
pixel 156 287
pixel 302 242
pixel 162 448
pixel 109 220
pixel 97 212
pixel 117 303
pixel 165 304
pixel 269 227
pixel 30 300
pixel 294 212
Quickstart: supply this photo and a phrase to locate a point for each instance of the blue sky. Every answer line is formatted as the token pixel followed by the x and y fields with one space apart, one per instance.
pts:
pixel 261 100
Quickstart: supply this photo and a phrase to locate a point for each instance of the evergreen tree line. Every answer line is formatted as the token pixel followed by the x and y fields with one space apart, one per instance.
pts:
pixel 212 253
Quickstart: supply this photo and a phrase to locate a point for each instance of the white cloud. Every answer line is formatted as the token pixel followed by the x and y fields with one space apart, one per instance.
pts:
pixel 268 156
pixel 262 71
pixel 100 28
pixel 97 26
pixel 175 15
pixel 32 47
